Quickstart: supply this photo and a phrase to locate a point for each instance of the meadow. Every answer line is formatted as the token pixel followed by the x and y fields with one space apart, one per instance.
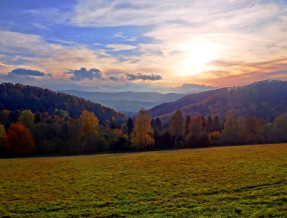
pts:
pixel 222 181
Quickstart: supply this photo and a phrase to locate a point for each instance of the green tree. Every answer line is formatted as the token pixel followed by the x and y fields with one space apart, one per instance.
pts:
pixel 142 135
pixel 26 118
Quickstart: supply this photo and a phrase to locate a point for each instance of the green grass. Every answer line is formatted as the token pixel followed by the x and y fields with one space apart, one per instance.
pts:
pixel 223 181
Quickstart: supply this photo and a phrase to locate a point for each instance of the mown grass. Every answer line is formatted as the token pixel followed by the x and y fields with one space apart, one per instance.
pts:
pixel 223 181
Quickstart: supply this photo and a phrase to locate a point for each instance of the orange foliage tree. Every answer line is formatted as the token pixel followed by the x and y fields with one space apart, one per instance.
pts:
pixel 18 140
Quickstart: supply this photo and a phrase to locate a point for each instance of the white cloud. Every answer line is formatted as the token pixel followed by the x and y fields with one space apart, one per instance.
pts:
pixel 184 36
pixel 120 47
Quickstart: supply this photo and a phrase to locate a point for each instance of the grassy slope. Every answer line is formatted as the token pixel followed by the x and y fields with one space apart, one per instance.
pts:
pixel 226 181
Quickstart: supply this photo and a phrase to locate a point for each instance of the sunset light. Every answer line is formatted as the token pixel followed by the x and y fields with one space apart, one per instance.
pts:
pixel 143 108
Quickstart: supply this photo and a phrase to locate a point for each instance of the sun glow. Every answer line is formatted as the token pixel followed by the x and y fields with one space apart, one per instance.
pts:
pixel 196 56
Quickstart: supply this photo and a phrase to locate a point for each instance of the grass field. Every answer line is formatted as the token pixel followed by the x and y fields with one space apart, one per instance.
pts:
pixel 223 181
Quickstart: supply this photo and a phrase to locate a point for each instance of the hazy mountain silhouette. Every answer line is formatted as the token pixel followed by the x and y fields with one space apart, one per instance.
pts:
pixel 265 99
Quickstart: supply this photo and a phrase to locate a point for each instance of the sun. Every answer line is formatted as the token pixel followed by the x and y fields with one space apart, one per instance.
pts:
pixel 196 56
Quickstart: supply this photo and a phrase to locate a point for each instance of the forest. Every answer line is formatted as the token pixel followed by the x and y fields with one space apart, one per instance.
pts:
pixel 265 99
pixel 44 134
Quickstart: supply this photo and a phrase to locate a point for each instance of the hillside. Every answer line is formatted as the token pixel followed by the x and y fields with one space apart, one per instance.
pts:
pixel 127 101
pixel 13 97
pixel 264 99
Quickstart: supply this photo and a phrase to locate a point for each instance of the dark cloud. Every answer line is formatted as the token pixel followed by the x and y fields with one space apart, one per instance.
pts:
pixel 22 75
pixel 83 73
pixel 153 77
pixel 113 78
pixel 26 72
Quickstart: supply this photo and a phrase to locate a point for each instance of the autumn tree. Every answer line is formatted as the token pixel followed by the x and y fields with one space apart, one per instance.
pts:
pixel 197 135
pixel 18 140
pixel 196 125
pixel 142 135
pixel 26 118
pixel 281 127
pixel 230 132
pixel 2 136
pixel 89 129
pixel 242 133
pixel 176 125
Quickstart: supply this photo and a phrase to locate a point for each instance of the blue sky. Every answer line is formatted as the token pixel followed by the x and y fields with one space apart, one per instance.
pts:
pixel 105 45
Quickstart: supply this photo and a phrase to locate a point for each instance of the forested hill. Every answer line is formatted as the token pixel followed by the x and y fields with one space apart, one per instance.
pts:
pixel 265 99
pixel 13 97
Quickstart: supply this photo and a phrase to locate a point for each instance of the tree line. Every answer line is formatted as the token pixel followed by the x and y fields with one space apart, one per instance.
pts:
pixel 25 133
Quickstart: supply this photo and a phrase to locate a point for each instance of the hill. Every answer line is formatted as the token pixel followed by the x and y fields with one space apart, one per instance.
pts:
pixel 241 181
pixel 127 101
pixel 13 97
pixel 264 99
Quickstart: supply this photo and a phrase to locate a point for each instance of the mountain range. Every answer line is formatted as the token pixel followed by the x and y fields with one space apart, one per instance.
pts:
pixel 127 101
pixel 265 99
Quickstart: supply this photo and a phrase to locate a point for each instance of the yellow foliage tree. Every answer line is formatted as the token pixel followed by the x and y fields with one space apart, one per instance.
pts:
pixel 142 135
pixel 90 125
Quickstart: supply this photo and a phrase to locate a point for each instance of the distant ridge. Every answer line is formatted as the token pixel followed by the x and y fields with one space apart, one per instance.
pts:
pixel 264 99
pixel 18 96
pixel 127 101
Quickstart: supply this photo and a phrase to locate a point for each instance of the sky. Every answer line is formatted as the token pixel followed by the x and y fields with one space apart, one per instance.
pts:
pixel 146 45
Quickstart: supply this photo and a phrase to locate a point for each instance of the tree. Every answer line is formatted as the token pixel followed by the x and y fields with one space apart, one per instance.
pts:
pixel 243 133
pixel 197 135
pixel 130 126
pixel 187 124
pixel 230 132
pixel 89 130
pixel 26 118
pixel 142 135
pixel 4 118
pixel 2 136
pixel 196 125
pixel 18 140
pixel 216 124
pixel 38 117
pixel 176 125
pixel 62 113
pixel 251 125
pixel 209 124
pixel 158 124
pixel 90 124
pixel 281 126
